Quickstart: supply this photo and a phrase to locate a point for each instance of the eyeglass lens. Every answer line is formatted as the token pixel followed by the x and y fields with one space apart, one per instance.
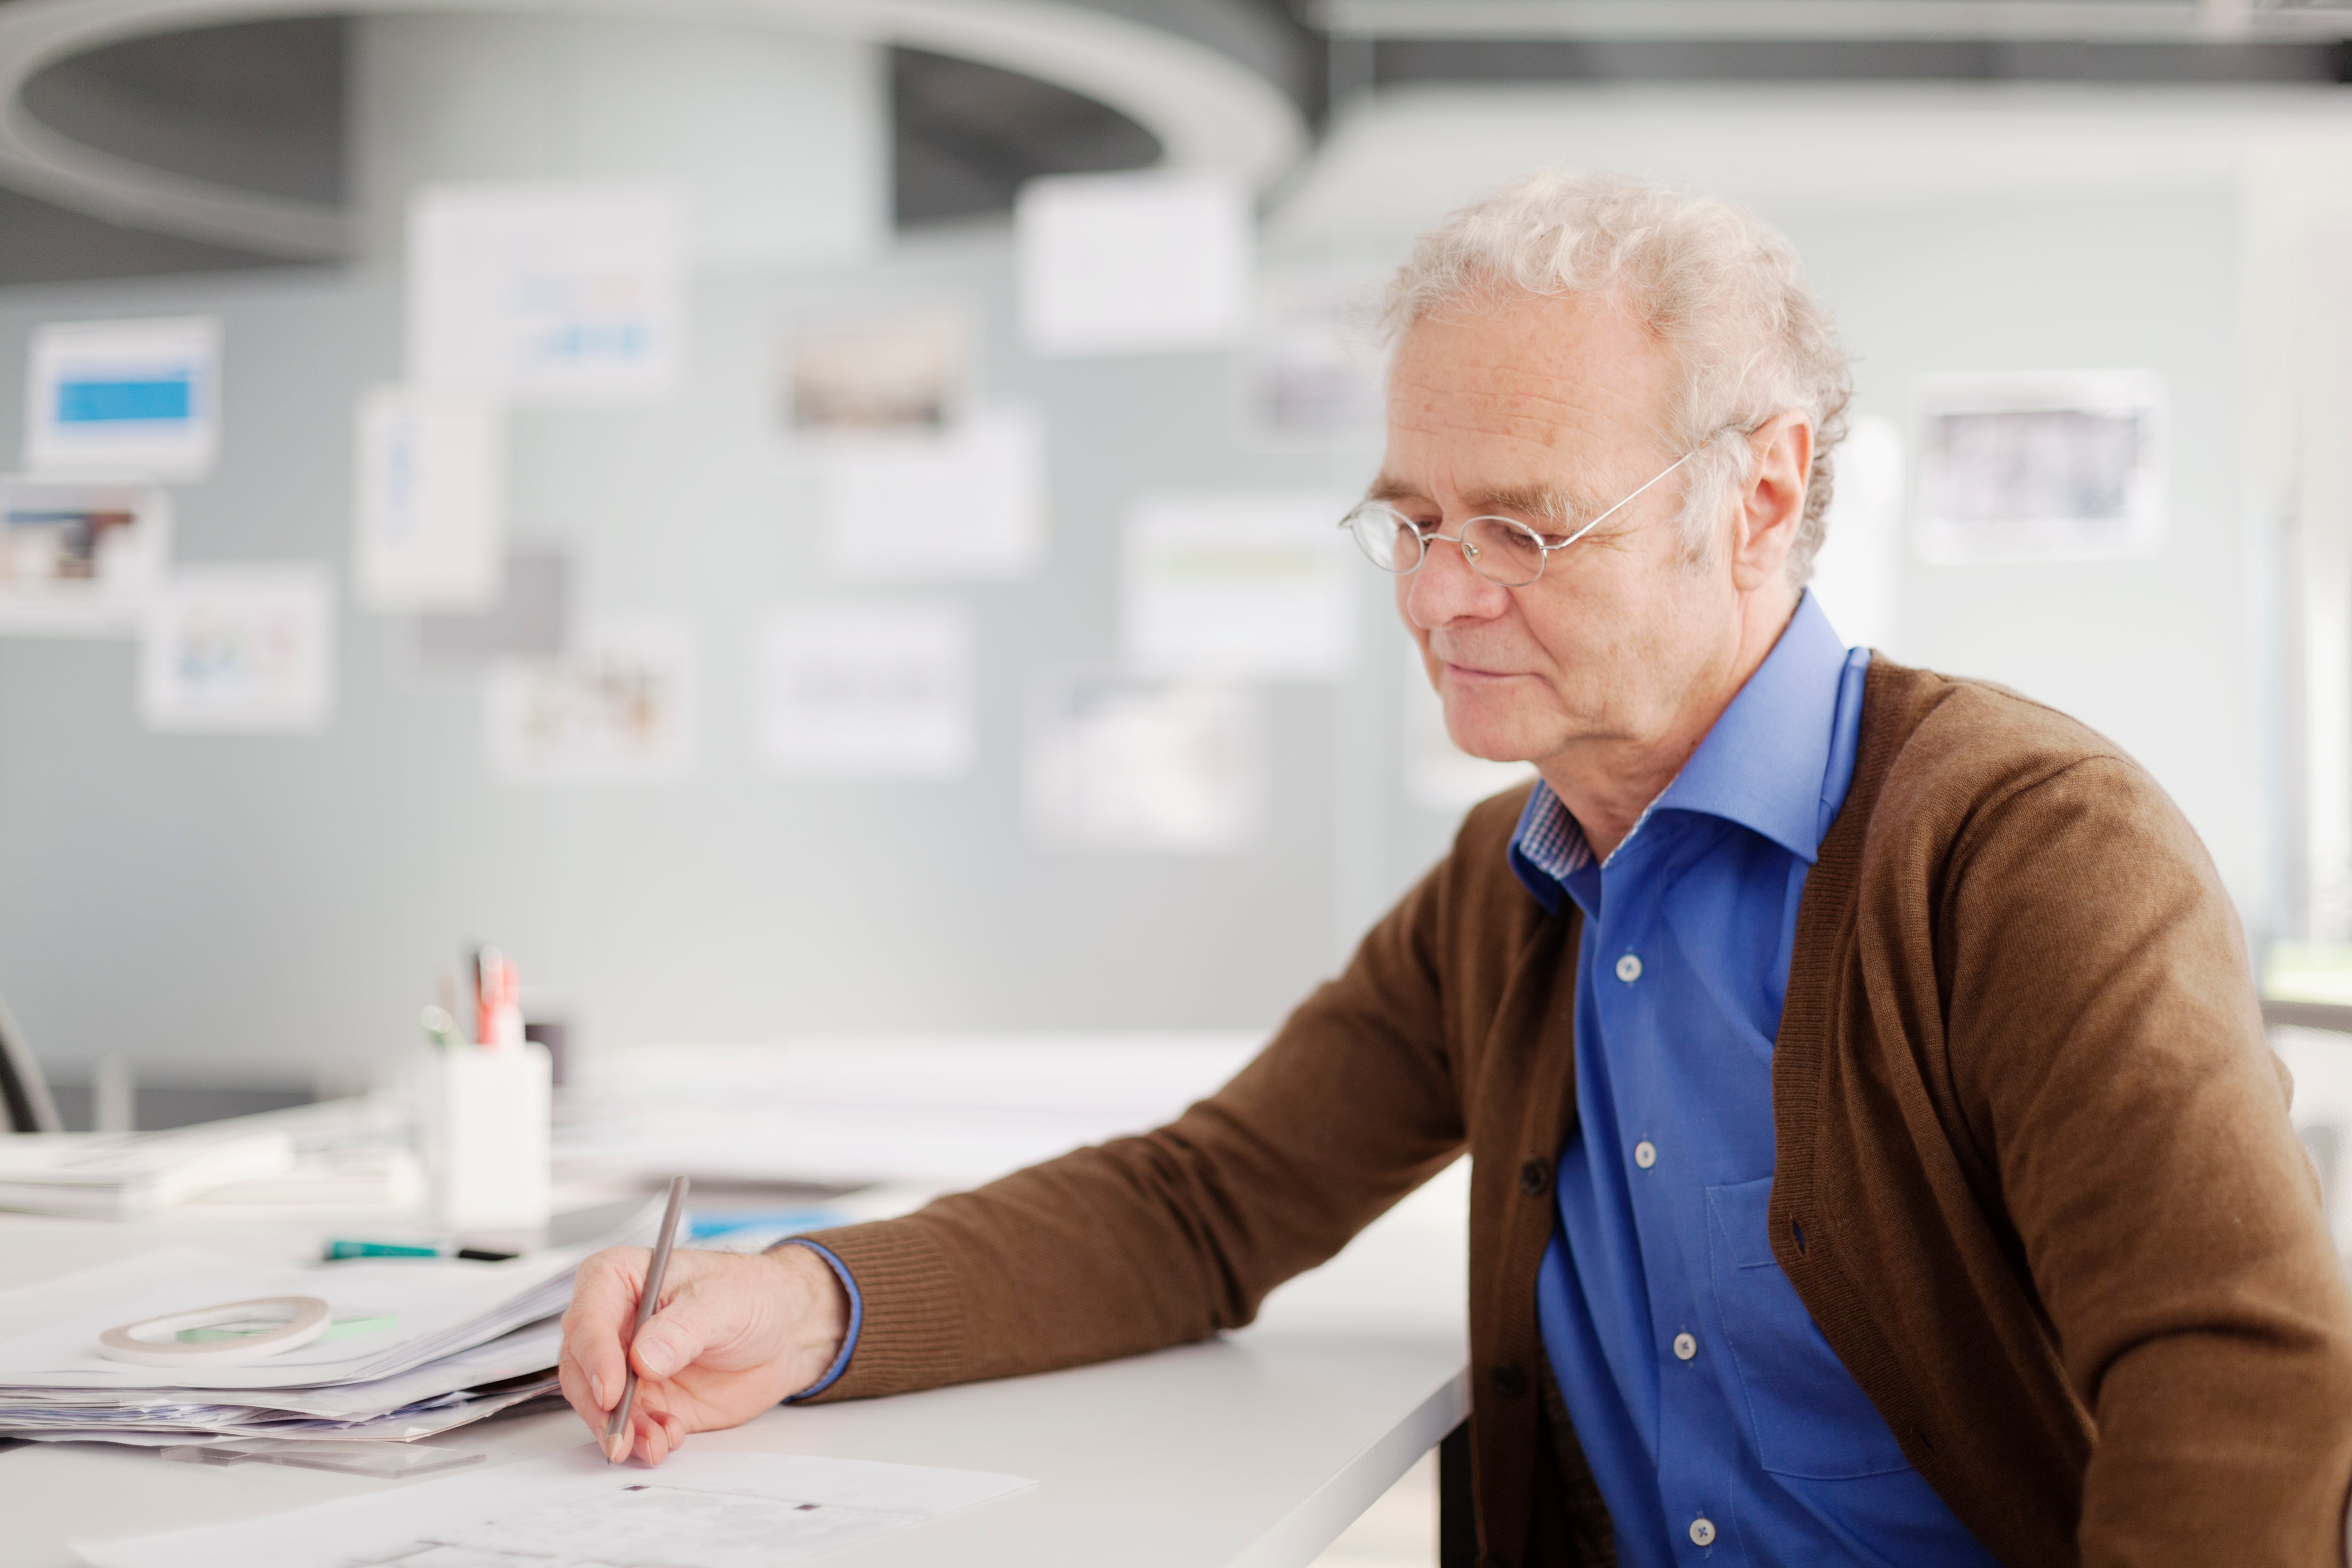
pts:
pixel 1498 549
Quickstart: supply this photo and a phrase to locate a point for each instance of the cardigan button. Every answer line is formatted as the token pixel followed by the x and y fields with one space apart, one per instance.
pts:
pixel 1509 1382
pixel 1493 1560
pixel 1535 1176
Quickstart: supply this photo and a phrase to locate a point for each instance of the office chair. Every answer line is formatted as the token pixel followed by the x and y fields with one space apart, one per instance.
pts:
pixel 25 1102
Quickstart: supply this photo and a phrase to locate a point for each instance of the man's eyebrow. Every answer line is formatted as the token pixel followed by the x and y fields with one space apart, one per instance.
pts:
pixel 1541 501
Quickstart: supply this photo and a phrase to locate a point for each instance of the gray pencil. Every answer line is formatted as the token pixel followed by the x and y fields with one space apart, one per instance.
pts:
pixel 617 1430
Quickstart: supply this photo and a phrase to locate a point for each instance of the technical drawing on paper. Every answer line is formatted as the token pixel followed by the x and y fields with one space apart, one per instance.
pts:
pixel 649 1525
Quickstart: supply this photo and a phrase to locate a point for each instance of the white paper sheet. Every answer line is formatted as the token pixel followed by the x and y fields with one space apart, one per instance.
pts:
pixel 49 1333
pixel 126 398
pixel 701 1510
pixel 871 691
pixel 1241 585
pixel 967 503
pixel 245 650
pixel 1133 263
pixel 2040 466
pixel 556 292
pixel 430 502
pixel 80 557
pixel 624 709
pixel 1438 774
pixel 1120 764
pixel 1858 572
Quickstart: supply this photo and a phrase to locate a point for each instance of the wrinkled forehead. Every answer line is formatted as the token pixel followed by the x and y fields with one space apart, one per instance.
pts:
pixel 1523 393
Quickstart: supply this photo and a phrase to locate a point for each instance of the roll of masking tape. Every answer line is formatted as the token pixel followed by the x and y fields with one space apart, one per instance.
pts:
pixel 158 1342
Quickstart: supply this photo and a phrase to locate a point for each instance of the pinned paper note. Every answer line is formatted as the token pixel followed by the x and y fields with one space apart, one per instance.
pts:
pixel 2040 467
pixel 1438 774
pixel 1858 572
pixel 1133 263
pixel 1240 584
pixel 127 397
pixel 873 690
pixel 552 292
pixel 901 375
pixel 1116 764
pixel 80 558
pixel 242 649
pixel 967 503
pixel 1311 368
pixel 621 710
pixel 431 500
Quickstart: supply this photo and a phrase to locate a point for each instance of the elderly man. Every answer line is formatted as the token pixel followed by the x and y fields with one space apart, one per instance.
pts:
pixel 1876 1157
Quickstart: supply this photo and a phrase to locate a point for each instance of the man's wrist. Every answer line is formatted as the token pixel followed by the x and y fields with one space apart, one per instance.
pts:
pixel 820 1316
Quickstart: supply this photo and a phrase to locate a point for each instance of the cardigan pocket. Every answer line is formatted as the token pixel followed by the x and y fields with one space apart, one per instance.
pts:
pixel 1808 1416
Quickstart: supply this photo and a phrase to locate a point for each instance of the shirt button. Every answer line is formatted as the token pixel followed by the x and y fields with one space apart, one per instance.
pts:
pixel 1702 1532
pixel 1685 1347
pixel 1629 969
pixel 1645 1153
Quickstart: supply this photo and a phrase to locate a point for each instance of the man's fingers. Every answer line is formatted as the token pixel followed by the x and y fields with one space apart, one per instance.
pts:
pixel 603 1304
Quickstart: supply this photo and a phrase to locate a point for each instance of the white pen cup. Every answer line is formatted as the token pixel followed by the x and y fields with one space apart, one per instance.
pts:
pixel 486 1116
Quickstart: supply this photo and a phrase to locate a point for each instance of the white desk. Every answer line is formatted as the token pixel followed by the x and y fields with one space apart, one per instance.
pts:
pixel 1254 1451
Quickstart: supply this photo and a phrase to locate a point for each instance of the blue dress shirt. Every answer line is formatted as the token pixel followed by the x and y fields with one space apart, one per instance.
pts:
pixel 1720 1425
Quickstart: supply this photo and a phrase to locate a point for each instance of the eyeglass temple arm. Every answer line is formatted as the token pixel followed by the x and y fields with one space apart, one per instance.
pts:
pixel 1628 500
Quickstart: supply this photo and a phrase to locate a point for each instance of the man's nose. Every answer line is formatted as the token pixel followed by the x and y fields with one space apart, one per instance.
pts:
pixel 1446 590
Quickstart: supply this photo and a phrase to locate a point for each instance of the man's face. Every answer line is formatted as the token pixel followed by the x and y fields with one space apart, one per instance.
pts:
pixel 1492 408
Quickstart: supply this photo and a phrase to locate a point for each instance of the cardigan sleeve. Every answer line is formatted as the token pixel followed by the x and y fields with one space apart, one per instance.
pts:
pixel 2117 1088
pixel 1171 1235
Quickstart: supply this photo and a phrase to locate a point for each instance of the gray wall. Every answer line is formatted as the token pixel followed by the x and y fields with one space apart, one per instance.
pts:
pixel 256 907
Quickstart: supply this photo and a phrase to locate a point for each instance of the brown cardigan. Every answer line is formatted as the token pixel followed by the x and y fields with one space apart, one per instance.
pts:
pixel 2033 1174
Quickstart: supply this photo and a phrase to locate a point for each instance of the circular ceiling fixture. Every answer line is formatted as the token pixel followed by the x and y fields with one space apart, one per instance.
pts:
pixel 1205 108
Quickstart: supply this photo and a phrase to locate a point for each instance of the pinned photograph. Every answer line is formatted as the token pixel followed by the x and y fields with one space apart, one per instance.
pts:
pixel 546 293
pixel 1311 368
pixel 80 558
pixel 968 503
pixel 878 690
pixel 621 710
pixel 430 508
pixel 127 397
pixel 1117 764
pixel 891 376
pixel 2040 467
pixel 1133 263
pixel 244 649
pixel 1241 585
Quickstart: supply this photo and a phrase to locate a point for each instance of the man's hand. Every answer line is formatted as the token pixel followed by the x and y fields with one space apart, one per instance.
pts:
pixel 735 1335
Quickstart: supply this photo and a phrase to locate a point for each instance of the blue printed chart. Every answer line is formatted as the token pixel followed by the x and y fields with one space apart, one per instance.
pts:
pixel 137 397
pixel 545 293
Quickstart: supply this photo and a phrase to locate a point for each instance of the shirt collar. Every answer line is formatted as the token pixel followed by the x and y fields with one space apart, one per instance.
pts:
pixel 1763 765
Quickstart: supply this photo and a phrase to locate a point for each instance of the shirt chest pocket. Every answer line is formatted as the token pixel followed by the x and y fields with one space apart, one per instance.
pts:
pixel 1807 1416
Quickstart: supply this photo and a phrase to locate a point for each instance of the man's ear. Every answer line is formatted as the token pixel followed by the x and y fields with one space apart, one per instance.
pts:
pixel 1772 504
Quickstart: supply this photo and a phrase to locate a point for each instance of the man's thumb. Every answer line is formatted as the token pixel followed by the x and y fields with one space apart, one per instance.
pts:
pixel 673 1337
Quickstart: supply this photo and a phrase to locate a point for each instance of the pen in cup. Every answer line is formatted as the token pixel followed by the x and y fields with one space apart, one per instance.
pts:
pixel 616 1428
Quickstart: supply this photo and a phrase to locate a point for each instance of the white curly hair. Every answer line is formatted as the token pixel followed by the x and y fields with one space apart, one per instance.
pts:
pixel 1722 288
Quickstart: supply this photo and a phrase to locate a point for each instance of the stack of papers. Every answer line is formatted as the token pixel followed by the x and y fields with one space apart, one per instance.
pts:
pixel 128 1175
pixel 419 1345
